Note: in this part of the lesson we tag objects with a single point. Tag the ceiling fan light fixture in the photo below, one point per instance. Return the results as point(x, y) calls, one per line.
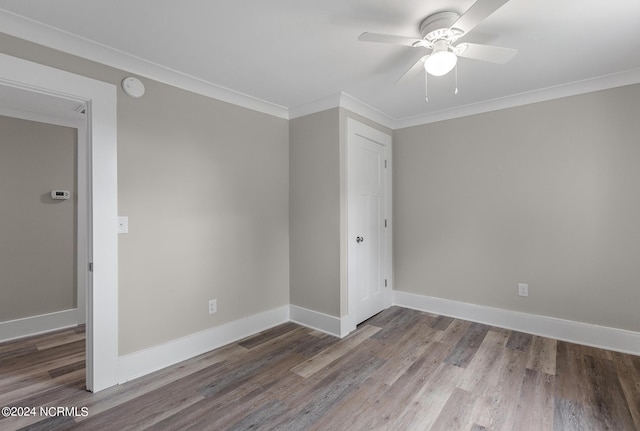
point(440, 63)
point(440, 32)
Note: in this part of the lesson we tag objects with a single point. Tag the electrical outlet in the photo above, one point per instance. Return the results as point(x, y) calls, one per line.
point(213, 306)
point(523, 289)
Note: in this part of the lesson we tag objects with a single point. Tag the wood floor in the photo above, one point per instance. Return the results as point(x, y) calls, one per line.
point(401, 370)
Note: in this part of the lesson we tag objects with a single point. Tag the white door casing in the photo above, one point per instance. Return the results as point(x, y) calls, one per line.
point(369, 221)
point(102, 291)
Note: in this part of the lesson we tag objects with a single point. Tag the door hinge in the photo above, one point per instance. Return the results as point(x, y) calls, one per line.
point(385, 282)
point(90, 266)
point(385, 222)
point(385, 164)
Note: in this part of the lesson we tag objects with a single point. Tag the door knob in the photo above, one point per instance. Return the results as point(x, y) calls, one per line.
point(359, 239)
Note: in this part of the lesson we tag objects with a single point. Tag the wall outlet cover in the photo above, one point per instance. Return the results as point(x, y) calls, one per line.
point(523, 289)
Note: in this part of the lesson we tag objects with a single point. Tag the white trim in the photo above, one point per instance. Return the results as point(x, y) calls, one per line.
point(102, 291)
point(565, 90)
point(358, 107)
point(320, 105)
point(346, 101)
point(42, 118)
point(43, 34)
point(146, 361)
point(40, 324)
point(603, 337)
point(102, 297)
point(347, 326)
point(315, 320)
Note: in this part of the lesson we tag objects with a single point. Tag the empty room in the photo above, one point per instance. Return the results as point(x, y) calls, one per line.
point(338, 215)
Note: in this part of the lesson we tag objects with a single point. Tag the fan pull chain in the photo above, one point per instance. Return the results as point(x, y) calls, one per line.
point(456, 91)
point(426, 86)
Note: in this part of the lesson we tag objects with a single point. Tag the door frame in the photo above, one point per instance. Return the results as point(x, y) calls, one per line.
point(101, 195)
point(356, 128)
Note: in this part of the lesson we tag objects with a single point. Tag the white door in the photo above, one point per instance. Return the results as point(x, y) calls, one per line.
point(368, 167)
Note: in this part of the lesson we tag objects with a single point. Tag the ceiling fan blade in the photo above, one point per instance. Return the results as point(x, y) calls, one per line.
point(492, 54)
point(480, 10)
point(390, 38)
point(417, 66)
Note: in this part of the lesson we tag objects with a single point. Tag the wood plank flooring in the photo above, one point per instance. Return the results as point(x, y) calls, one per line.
point(401, 370)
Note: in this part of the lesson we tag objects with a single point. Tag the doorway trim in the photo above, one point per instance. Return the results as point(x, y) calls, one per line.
point(356, 128)
point(102, 289)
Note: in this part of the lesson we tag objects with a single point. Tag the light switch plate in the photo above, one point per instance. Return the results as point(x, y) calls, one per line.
point(123, 224)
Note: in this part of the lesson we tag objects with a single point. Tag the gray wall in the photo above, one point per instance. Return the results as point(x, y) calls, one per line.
point(37, 233)
point(205, 186)
point(314, 196)
point(544, 194)
point(317, 212)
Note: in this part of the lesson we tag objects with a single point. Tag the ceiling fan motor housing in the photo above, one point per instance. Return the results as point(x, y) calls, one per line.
point(438, 27)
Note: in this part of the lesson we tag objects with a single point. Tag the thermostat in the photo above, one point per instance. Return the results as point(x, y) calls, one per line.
point(60, 194)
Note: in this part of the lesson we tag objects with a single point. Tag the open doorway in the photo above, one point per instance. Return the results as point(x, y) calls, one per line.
point(32, 87)
point(43, 242)
point(45, 230)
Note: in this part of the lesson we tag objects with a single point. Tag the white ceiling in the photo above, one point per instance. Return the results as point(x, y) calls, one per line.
point(292, 53)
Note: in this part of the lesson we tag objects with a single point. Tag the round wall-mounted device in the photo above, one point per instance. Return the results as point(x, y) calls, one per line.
point(133, 87)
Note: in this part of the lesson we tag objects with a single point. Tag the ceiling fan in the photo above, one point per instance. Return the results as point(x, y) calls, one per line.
point(439, 33)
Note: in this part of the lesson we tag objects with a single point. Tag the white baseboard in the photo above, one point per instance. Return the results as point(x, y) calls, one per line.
point(35, 325)
point(315, 320)
point(566, 330)
point(155, 358)
point(146, 361)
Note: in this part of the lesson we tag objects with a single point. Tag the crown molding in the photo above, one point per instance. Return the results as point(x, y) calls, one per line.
point(564, 90)
point(319, 105)
point(358, 107)
point(51, 37)
point(42, 34)
point(346, 101)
